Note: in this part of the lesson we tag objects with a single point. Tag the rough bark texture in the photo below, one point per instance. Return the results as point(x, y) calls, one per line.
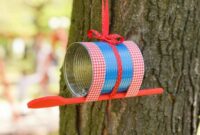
point(168, 33)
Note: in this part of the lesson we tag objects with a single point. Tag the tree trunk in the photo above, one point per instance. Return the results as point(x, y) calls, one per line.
point(168, 33)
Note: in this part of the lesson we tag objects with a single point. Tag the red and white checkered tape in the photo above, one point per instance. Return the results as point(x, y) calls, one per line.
point(138, 68)
point(98, 69)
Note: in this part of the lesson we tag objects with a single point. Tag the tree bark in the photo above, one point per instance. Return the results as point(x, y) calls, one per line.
point(168, 33)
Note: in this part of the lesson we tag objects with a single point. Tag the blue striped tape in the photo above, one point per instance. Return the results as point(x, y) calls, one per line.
point(111, 67)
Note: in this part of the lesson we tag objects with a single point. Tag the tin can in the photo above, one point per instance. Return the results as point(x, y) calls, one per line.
point(93, 64)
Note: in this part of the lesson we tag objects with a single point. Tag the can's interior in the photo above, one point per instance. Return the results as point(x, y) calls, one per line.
point(78, 69)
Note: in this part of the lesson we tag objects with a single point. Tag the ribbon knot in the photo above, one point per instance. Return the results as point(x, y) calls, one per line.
point(113, 39)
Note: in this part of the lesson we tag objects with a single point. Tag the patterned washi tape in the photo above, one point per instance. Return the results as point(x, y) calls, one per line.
point(98, 69)
point(138, 65)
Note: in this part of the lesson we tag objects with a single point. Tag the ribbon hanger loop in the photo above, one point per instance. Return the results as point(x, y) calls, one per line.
point(113, 39)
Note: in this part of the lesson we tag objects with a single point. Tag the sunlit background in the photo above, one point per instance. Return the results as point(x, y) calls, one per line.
point(33, 38)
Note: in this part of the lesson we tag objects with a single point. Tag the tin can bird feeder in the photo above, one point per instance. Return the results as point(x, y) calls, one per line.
point(94, 71)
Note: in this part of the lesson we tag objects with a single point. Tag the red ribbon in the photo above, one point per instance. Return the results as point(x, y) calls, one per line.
point(113, 39)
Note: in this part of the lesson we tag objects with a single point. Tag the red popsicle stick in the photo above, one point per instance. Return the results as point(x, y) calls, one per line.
point(51, 101)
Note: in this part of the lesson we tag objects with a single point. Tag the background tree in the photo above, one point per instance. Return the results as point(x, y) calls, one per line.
point(168, 33)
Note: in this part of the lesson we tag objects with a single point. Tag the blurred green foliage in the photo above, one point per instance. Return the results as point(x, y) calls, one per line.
point(26, 17)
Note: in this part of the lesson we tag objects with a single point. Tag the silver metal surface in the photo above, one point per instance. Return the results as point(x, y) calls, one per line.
point(78, 69)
